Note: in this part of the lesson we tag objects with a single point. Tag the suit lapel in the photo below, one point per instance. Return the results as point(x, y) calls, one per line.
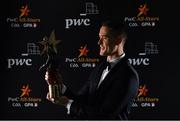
point(97, 76)
point(112, 74)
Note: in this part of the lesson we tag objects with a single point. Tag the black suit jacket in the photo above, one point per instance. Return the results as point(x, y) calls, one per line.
point(112, 99)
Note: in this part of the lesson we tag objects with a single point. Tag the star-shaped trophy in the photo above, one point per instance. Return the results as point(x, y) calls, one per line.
point(49, 49)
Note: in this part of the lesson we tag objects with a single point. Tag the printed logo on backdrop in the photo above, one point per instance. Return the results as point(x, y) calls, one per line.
point(82, 60)
point(143, 99)
point(150, 48)
point(90, 9)
point(83, 19)
point(24, 60)
point(143, 57)
point(32, 50)
point(24, 19)
point(24, 100)
point(142, 18)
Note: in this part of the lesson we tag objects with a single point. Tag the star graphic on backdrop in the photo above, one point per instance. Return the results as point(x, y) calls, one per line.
point(49, 43)
point(143, 10)
point(25, 91)
point(142, 91)
point(24, 11)
point(83, 51)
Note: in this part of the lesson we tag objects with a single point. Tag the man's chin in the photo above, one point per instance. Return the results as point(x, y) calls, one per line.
point(101, 54)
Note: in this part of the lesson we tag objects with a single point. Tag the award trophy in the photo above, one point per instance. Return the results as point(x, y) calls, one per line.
point(50, 50)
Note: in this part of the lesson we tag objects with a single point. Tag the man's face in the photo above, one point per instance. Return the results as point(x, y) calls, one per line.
point(105, 42)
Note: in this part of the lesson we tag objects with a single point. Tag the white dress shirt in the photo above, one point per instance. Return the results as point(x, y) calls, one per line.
point(113, 62)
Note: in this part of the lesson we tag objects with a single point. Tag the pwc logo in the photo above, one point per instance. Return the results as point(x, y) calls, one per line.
point(143, 58)
point(24, 60)
point(139, 61)
point(15, 62)
point(82, 21)
point(82, 60)
point(77, 22)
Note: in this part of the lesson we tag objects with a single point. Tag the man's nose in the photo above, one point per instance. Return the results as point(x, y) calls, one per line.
point(100, 41)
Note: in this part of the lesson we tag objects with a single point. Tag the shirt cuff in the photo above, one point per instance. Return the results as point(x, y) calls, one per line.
point(68, 106)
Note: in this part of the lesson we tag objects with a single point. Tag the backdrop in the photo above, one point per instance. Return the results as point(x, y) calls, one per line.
point(152, 48)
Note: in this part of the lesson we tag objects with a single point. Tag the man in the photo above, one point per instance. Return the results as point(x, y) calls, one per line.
point(112, 86)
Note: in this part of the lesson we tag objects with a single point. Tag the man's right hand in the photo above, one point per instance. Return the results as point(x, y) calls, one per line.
point(52, 76)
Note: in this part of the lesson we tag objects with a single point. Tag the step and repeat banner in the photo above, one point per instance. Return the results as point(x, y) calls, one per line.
point(74, 25)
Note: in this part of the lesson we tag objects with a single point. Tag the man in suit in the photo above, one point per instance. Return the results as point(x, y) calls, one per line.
point(112, 86)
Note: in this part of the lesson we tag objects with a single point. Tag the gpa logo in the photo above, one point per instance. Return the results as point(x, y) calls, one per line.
point(82, 60)
point(143, 100)
point(23, 19)
point(24, 100)
point(142, 19)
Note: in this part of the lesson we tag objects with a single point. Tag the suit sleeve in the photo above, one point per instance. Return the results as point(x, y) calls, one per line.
point(79, 100)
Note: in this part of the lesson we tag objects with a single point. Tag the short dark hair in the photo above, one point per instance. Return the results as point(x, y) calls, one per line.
point(116, 28)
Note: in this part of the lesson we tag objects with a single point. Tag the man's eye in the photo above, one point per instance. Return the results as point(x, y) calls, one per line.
point(106, 38)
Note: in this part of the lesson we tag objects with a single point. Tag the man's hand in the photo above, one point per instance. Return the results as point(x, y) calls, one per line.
point(63, 100)
point(55, 83)
point(53, 76)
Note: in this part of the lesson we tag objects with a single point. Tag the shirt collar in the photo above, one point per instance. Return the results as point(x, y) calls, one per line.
point(116, 60)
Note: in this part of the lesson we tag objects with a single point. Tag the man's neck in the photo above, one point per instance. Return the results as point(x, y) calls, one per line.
point(114, 56)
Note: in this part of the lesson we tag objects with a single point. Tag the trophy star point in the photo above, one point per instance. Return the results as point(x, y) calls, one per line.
point(45, 44)
point(52, 39)
point(50, 43)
